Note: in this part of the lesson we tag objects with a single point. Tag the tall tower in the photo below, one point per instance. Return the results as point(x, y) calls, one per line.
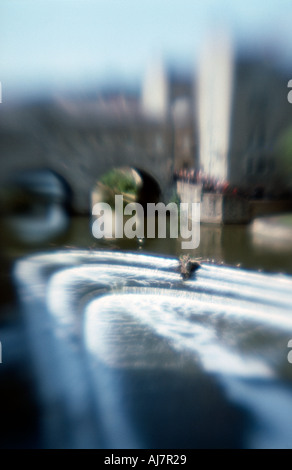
point(155, 92)
point(214, 98)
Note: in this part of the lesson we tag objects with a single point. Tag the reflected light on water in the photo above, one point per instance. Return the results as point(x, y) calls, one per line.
point(117, 325)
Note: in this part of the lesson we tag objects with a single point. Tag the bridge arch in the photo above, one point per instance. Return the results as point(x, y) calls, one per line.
point(36, 184)
point(82, 154)
point(134, 184)
point(36, 204)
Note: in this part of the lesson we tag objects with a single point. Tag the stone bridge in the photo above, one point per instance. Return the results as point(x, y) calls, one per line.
point(80, 149)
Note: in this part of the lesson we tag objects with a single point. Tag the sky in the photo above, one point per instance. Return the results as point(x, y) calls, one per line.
point(51, 45)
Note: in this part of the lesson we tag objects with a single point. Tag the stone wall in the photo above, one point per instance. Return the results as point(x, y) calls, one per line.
point(82, 151)
point(215, 208)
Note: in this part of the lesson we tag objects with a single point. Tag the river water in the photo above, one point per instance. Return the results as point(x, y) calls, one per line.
point(128, 355)
point(234, 245)
point(229, 244)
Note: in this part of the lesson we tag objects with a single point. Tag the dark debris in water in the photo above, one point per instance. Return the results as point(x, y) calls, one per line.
point(187, 265)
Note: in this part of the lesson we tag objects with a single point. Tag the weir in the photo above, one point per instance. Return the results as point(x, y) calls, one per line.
point(129, 355)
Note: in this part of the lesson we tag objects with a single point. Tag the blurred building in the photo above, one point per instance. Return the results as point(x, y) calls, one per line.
point(168, 96)
point(213, 106)
point(155, 92)
point(224, 120)
point(81, 139)
point(260, 115)
point(242, 111)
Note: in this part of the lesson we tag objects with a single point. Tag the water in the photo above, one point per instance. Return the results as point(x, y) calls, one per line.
point(230, 244)
point(125, 354)
point(131, 356)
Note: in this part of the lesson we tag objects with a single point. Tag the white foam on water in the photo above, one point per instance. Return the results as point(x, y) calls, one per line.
point(160, 314)
point(110, 299)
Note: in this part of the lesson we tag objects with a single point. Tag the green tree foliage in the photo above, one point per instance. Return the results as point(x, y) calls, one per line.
point(120, 182)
